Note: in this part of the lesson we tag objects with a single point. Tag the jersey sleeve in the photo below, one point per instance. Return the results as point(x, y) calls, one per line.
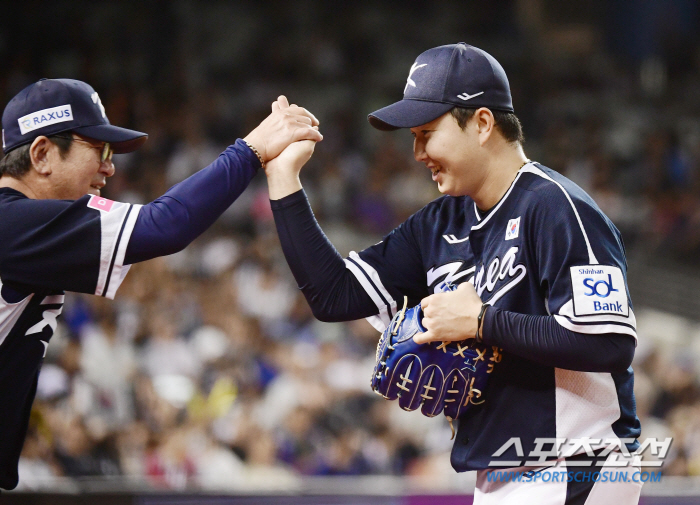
point(581, 263)
point(67, 245)
point(390, 270)
point(169, 223)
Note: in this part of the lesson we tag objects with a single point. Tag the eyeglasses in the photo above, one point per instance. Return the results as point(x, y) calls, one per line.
point(105, 155)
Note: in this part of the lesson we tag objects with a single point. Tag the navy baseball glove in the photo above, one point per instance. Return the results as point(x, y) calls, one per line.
point(438, 377)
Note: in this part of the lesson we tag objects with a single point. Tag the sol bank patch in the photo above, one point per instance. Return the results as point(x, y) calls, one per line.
point(599, 289)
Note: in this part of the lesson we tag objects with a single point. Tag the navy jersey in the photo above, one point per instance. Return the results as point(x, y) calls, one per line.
point(48, 247)
point(544, 249)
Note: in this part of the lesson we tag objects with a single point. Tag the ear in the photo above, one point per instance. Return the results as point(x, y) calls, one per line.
point(40, 154)
point(484, 123)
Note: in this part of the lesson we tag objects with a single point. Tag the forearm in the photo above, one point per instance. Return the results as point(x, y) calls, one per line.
point(332, 291)
point(282, 183)
point(543, 340)
point(171, 222)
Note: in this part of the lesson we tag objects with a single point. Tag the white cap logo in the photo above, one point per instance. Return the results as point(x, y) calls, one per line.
point(96, 99)
point(409, 81)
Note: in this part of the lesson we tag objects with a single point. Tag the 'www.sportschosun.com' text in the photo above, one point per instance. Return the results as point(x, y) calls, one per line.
point(573, 476)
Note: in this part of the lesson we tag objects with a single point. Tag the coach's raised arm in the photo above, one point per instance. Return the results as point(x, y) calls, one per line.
point(172, 221)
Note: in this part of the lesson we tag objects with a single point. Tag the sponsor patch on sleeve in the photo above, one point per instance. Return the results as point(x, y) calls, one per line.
point(599, 289)
point(99, 203)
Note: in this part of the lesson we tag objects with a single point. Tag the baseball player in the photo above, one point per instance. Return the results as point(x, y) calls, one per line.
point(58, 234)
point(541, 273)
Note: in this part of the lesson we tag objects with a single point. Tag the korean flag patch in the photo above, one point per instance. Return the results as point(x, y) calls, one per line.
point(513, 228)
point(599, 289)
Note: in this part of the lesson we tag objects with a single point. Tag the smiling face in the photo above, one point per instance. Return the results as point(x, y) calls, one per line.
point(80, 171)
point(453, 155)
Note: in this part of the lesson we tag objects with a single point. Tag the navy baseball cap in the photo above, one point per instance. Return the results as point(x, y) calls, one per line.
point(444, 77)
point(52, 106)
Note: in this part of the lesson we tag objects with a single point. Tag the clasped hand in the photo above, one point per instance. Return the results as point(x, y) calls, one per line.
point(451, 316)
point(285, 125)
point(283, 171)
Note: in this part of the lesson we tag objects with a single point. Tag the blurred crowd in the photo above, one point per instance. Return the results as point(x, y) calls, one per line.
point(208, 369)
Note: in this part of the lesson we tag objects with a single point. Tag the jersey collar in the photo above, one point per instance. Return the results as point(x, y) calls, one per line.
point(483, 220)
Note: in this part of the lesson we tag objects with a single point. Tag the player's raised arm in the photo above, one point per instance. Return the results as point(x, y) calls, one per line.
point(332, 292)
point(283, 172)
point(339, 289)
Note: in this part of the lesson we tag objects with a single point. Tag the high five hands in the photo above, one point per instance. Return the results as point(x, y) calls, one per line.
point(283, 169)
point(285, 125)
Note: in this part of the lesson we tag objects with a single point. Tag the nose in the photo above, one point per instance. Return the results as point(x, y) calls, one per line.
point(419, 150)
point(107, 168)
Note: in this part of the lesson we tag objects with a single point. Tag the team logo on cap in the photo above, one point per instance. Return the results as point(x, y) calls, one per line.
point(467, 96)
point(409, 81)
point(96, 100)
point(45, 117)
